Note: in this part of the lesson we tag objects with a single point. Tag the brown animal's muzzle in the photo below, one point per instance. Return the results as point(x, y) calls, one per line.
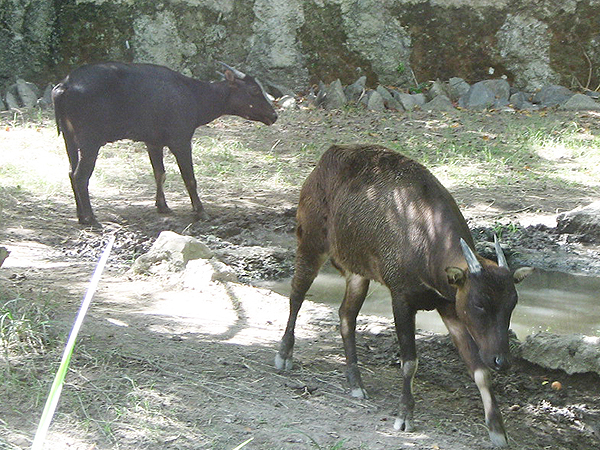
point(499, 361)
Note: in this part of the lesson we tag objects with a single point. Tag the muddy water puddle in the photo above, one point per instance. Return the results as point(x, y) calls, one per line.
point(548, 301)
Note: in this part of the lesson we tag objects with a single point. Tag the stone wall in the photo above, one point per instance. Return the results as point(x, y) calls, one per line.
point(294, 43)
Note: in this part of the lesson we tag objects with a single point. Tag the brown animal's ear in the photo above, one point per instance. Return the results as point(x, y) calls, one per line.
point(229, 76)
point(456, 276)
point(522, 273)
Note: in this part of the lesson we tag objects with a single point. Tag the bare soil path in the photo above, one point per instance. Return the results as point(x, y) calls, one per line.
point(163, 366)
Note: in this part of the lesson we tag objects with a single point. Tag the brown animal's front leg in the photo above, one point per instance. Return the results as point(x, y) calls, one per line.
point(479, 372)
point(155, 152)
point(356, 292)
point(404, 319)
point(183, 155)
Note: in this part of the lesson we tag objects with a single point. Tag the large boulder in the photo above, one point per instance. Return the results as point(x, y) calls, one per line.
point(571, 353)
point(583, 221)
point(171, 252)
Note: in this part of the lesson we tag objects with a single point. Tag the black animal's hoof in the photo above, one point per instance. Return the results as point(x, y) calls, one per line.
point(91, 223)
point(201, 215)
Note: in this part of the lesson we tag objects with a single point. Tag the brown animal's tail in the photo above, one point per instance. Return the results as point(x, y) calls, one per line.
point(57, 93)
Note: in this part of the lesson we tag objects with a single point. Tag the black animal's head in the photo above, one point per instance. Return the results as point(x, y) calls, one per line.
point(485, 299)
point(247, 98)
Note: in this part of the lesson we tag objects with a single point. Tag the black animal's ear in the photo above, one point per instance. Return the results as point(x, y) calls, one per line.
point(456, 276)
point(522, 273)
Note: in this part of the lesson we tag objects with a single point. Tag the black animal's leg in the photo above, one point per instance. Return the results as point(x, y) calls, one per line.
point(404, 319)
point(80, 180)
point(73, 154)
point(183, 155)
point(156, 159)
point(470, 354)
point(356, 292)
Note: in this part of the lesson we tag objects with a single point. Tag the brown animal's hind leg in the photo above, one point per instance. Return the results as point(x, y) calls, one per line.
point(183, 155)
point(404, 319)
point(155, 152)
point(356, 292)
point(470, 354)
point(310, 256)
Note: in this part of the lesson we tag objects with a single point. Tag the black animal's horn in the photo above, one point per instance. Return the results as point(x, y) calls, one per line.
point(472, 262)
point(499, 253)
point(237, 73)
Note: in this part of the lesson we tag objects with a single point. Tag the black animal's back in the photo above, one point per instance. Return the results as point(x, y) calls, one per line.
point(111, 101)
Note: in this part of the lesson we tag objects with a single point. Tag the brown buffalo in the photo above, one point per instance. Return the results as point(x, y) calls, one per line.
point(382, 216)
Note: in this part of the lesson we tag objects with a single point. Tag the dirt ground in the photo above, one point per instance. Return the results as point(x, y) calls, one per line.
point(160, 365)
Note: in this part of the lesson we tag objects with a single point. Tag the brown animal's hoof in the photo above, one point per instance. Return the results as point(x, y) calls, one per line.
point(498, 439)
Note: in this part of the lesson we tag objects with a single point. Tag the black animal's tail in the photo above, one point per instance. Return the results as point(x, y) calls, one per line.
point(57, 100)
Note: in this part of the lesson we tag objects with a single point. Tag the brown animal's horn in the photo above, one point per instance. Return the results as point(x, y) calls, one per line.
point(472, 262)
point(237, 73)
point(499, 253)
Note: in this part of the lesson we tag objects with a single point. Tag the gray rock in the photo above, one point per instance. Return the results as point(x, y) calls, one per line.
point(486, 94)
point(173, 251)
point(419, 99)
point(388, 99)
point(28, 93)
point(321, 94)
point(523, 46)
point(334, 96)
point(457, 87)
point(552, 95)
point(199, 272)
point(375, 102)
point(2, 105)
point(520, 100)
point(46, 100)
point(580, 102)
point(356, 90)
point(439, 103)
point(407, 101)
point(584, 221)
point(571, 353)
point(287, 102)
point(438, 88)
point(3, 255)
point(11, 100)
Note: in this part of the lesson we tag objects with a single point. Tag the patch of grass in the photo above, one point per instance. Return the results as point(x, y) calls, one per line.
point(24, 327)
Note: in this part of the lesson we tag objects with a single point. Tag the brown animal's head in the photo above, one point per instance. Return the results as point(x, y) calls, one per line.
point(485, 299)
point(247, 97)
